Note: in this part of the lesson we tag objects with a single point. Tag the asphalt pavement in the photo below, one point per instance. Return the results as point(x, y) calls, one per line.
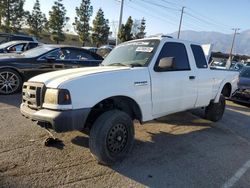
point(179, 150)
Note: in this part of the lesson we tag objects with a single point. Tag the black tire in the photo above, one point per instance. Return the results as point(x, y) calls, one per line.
point(215, 111)
point(111, 137)
point(10, 81)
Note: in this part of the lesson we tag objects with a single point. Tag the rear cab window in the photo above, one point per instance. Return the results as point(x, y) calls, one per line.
point(199, 56)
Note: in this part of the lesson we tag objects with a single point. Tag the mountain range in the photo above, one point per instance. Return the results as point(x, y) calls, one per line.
point(221, 42)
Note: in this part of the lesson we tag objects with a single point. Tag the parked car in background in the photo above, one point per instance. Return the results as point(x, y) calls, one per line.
point(17, 46)
point(17, 68)
point(221, 65)
point(92, 49)
point(247, 63)
point(218, 65)
point(243, 92)
point(6, 37)
point(104, 50)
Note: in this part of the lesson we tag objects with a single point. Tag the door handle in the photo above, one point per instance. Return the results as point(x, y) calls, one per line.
point(191, 77)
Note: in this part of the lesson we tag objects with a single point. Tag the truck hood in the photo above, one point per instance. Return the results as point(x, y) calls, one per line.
point(54, 79)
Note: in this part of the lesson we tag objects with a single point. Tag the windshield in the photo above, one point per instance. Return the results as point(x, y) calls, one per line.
point(245, 72)
point(40, 50)
point(134, 53)
point(7, 44)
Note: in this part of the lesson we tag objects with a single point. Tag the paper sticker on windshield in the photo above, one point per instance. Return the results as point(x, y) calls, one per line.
point(144, 49)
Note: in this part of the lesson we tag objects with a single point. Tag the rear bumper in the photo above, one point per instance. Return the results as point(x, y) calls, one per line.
point(60, 121)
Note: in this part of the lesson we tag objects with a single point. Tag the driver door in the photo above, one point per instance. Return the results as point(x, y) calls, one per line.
point(174, 89)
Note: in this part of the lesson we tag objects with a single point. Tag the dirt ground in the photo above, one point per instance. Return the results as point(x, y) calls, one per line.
point(180, 150)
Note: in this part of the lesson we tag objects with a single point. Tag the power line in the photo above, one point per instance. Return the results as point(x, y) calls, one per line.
point(152, 15)
point(170, 15)
point(202, 21)
point(161, 6)
point(172, 3)
point(210, 19)
point(149, 12)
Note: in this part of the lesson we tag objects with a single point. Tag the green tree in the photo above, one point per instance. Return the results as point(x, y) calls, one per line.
point(57, 21)
point(135, 27)
point(141, 30)
point(83, 14)
point(125, 33)
point(2, 9)
point(36, 20)
point(12, 15)
point(100, 31)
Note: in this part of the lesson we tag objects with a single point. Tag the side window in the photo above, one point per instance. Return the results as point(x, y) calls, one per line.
point(55, 54)
point(17, 48)
point(76, 54)
point(32, 45)
point(85, 56)
point(199, 57)
point(178, 52)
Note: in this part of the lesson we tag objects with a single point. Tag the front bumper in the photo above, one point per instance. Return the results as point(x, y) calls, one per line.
point(60, 121)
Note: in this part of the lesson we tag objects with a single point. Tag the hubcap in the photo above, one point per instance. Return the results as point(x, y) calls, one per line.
point(117, 138)
point(9, 82)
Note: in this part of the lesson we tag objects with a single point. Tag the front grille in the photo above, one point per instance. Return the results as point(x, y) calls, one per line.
point(33, 94)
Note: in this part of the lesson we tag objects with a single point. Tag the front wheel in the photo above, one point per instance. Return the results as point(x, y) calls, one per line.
point(215, 111)
point(111, 137)
point(10, 81)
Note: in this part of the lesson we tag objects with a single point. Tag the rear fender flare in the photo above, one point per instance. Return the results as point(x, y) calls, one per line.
point(217, 97)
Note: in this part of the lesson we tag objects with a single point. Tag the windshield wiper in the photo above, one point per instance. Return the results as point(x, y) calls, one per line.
point(135, 65)
point(118, 64)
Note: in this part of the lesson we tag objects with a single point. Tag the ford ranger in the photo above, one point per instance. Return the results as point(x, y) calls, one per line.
point(139, 80)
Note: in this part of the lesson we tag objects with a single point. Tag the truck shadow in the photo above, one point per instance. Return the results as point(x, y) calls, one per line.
point(183, 150)
point(11, 100)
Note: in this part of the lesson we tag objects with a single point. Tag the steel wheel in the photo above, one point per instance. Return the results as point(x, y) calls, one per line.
point(9, 82)
point(117, 138)
point(111, 137)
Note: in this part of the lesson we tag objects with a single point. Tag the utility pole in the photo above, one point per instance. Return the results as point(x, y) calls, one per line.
point(182, 11)
point(229, 62)
point(120, 22)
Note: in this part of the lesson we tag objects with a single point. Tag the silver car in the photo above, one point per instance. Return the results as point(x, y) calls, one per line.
point(243, 92)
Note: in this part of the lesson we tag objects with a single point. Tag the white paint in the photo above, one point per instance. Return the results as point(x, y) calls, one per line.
point(165, 92)
point(231, 182)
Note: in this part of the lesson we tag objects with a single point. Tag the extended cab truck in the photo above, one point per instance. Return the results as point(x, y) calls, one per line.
point(142, 79)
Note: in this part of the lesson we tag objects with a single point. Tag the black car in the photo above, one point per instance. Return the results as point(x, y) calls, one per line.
point(17, 68)
point(17, 46)
point(243, 92)
point(6, 37)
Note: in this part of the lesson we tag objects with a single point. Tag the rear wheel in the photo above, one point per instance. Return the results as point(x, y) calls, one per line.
point(111, 137)
point(10, 81)
point(215, 111)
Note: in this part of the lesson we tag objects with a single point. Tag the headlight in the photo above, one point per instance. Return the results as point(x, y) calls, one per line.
point(57, 96)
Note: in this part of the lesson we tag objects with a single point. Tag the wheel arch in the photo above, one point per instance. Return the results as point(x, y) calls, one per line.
point(14, 69)
point(225, 89)
point(123, 103)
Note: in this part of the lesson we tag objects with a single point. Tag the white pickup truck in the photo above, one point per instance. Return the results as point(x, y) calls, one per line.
point(141, 79)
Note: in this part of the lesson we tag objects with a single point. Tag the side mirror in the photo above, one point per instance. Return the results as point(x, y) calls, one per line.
point(10, 49)
point(165, 64)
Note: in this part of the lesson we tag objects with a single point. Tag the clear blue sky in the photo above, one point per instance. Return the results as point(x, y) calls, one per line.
point(162, 16)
